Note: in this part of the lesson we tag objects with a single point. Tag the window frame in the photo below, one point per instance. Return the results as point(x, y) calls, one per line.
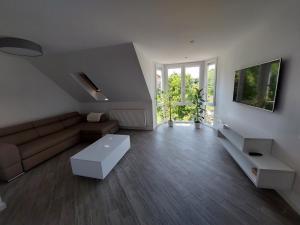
point(207, 63)
point(161, 68)
point(183, 66)
point(203, 65)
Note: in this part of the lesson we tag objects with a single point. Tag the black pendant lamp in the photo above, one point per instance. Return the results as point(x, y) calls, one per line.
point(20, 47)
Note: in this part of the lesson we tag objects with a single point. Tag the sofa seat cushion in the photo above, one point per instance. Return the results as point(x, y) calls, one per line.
point(49, 152)
point(43, 143)
point(100, 128)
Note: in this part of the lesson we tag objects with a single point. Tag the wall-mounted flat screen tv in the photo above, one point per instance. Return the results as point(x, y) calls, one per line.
point(257, 85)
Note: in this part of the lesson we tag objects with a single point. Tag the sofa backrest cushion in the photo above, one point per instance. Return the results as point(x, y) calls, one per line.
point(47, 121)
point(104, 117)
point(15, 129)
point(72, 121)
point(20, 137)
point(23, 133)
point(49, 129)
point(69, 115)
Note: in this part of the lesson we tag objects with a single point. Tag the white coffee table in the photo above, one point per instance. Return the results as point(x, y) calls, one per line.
point(99, 158)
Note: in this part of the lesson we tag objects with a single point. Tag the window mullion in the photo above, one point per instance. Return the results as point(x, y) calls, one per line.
point(183, 84)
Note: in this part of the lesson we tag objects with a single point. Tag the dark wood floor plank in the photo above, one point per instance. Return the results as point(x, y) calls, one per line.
point(171, 176)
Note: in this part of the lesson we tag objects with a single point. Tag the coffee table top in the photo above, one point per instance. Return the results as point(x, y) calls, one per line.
point(100, 149)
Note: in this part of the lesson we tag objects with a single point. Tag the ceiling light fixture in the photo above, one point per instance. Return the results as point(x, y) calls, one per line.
point(20, 47)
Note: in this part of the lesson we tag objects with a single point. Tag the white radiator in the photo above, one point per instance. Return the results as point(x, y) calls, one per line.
point(130, 118)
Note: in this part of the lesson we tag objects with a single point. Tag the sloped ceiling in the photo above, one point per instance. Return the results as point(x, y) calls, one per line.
point(163, 29)
point(114, 69)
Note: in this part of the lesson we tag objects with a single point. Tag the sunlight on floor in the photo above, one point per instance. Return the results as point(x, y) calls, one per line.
point(182, 124)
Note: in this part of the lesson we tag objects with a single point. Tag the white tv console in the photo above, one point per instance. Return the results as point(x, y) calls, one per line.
point(264, 171)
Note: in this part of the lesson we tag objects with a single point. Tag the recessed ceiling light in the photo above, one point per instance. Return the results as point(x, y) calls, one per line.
point(106, 99)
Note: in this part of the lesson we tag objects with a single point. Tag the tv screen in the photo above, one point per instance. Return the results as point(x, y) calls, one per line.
point(257, 85)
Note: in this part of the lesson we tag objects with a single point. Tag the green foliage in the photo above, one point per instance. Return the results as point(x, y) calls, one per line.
point(160, 114)
point(273, 82)
point(211, 80)
point(169, 102)
point(182, 112)
point(191, 84)
point(250, 90)
point(160, 108)
point(256, 85)
point(171, 105)
point(198, 101)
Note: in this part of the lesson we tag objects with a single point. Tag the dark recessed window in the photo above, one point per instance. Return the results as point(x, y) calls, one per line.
point(88, 81)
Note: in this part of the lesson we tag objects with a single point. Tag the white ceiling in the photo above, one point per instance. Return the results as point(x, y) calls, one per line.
point(162, 28)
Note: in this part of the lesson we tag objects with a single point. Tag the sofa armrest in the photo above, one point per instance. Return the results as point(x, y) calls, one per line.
point(9, 154)
point(10, 161)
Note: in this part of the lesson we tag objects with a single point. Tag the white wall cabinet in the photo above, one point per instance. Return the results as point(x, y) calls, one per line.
point(264, 171)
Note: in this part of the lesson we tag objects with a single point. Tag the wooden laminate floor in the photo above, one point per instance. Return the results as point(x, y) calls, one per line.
point(170, 176)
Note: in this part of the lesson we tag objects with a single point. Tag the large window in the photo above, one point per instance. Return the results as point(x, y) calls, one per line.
point(174, 84)
point(192, 81)
point(182, 80)
point(210, 90)
point(160, 115)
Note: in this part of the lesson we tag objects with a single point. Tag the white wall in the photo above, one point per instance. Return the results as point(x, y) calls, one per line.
point(278, 37)
point(148, 69)
point(108, 106)
point(126, 80)
point(26, 94)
